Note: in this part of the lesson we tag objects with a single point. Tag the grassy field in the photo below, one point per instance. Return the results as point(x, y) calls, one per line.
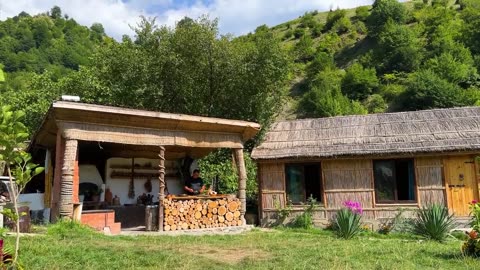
point(275, 249)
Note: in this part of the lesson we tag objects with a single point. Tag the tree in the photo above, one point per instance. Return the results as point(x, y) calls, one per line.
point(322, 61)
point(304, 49)
point(20, 170)
point(375, 104)
point(342, 25)
point(358, 82)
point(451, 68)
point(426, 90)
point(219, 165)
point(384, 11)
point(189, 69)
point(97, 31)
point(471, 31)
point(399, 49)
point(56, 12)
point(362, 13)
point(324, 97)
point(333, 17)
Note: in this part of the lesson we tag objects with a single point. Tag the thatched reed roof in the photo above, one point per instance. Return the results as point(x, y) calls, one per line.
point(96, 123)
point(429, 131)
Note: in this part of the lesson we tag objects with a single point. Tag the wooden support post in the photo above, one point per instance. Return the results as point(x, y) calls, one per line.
point(66, 182)
point(161, 194)
point(242, 180)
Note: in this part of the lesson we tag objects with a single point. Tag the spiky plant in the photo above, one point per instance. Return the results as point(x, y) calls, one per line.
point(433, 222)
point(347, 221)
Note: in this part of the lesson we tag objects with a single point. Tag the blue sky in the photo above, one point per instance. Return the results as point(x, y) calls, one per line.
point(235, 16)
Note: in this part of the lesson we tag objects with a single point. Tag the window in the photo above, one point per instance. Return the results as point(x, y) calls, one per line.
point(394, 181)
point(303, 181)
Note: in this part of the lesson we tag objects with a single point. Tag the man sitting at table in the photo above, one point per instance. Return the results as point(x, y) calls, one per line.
point(194, 185)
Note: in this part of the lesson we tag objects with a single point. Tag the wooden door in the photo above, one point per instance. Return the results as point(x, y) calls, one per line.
point(460, 183)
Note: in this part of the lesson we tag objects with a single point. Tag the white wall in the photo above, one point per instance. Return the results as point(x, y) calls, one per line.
point(89, 173)
point(34, 200)
point(119, 187)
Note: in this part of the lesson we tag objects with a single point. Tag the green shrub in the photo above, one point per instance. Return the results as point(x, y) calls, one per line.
point(305, 220)
point(299, 32)
point(316, 30)
point(362, 13)
point(347, 221)
point(433, 222)
point(67, 229)
point(288, 34)
point(333, 17)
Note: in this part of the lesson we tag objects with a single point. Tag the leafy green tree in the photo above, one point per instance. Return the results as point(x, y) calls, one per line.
point(359, 82)
point(20, 169)
point(304, 49)
point(298, 32)
point(308, 21)
point(330, 43)
point(288, 34)
point(451, 68)
point(384, 11)
point(375, 104)
point(324, 97)
point(342, 25)
point(333, 17)
point(399, 49)
point(322, 61)
point(316, 31)
point(362, 13)
point(188, 69)
point(219, 165)
point(471, 31)
point(56, 12)
point(426, 90)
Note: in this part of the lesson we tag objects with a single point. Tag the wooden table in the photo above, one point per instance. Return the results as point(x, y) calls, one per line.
point(200, 197)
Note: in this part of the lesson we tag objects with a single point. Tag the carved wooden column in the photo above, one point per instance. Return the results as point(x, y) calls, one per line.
point(66, 182)
point(242, 181)
point(161, 194)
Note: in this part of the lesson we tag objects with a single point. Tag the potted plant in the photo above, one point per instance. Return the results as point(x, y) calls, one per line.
point(95, 194)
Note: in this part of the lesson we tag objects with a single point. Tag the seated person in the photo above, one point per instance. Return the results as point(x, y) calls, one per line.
point(194, 185)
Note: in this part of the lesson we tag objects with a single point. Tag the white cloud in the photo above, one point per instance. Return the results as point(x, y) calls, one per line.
point(235, 16)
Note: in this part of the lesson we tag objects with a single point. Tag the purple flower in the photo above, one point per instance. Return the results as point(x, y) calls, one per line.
point(355, 207)
point(474, 202)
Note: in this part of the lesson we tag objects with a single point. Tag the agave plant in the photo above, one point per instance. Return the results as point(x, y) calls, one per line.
point(347, 221)
point(433, 222)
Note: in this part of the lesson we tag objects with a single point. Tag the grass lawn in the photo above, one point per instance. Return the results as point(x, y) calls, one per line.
point(275, 249)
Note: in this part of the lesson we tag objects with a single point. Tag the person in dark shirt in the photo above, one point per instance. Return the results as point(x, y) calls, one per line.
point(194, 185)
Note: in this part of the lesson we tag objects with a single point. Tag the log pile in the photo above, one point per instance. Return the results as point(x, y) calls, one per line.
point(200, 214)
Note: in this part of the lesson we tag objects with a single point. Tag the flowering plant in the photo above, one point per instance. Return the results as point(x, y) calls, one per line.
point(347, 221)
point(355, 207)
point(472, 245)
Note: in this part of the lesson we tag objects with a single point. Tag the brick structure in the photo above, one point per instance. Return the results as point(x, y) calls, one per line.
point(101, 220)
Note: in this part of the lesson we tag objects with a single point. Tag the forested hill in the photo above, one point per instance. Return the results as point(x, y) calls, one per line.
point(34, 44)
point(387, 57)
point(390, 56)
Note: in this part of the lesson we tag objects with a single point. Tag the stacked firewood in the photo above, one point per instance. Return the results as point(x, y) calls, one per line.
point(199, 214)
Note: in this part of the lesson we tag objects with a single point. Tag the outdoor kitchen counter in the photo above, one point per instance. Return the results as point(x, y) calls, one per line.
point(201, 211)
point(198, 197)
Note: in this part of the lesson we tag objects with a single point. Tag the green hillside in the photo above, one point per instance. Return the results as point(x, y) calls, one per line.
point(390, 56)
point(51, 44)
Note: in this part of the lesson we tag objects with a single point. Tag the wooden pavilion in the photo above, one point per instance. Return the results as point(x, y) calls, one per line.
point(387, 162)
point(72, 132)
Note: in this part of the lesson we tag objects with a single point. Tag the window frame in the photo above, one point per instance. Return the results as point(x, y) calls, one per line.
point(396, 201)
point(320, 178)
